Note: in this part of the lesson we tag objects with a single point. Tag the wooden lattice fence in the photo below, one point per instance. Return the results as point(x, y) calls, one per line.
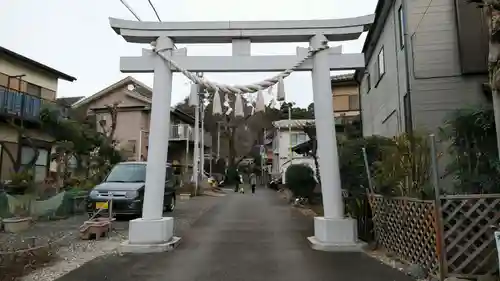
point(468, 238)
point(407, 228)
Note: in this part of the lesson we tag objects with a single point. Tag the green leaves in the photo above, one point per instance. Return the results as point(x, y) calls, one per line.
point(472, 142)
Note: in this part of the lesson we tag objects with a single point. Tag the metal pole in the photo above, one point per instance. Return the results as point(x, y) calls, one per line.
point(262, 157)
point(290, 133)
point(202, 138)
point(367, 168)
point(439, 215)
point(187, 147)
point(196, 152)
point(139, 151)
point(210, 161)
point(218, 140)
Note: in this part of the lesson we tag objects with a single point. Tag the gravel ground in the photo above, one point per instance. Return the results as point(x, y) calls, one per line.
point(74, 252)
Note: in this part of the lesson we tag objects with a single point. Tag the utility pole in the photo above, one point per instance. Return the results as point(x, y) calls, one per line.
point(218, 140)
point(262, 157)
point(290, 133)
point(202, 138)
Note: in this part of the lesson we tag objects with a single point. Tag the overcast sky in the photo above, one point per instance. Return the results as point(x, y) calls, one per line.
point(74, 36)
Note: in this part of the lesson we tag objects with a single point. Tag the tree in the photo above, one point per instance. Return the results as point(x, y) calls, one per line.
point(240, 133)
point(492, 11)
point(95, 151)
point(310, 130)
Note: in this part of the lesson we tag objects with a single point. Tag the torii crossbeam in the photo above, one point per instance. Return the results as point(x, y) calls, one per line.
point(153, 232)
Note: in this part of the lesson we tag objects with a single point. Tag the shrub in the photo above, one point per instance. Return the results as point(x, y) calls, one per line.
point(473, 146)
point(300, 180)
point(404, 168)
point(391, 163)
point(352, 166)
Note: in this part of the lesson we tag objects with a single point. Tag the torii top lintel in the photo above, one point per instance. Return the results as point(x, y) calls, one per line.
point(256, 31)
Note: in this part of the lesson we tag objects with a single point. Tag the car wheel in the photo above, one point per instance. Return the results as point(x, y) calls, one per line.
point(171, 205)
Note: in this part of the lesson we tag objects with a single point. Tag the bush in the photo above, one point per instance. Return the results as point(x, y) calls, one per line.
point(404, 169)
point(473, 146)
point(391, 162)
point(300, 180)
point(352, 166)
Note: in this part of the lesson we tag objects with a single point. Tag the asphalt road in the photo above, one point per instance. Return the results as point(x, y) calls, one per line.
point(245, 237)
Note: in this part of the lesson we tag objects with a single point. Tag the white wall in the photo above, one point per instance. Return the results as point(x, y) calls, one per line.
point(281, 160)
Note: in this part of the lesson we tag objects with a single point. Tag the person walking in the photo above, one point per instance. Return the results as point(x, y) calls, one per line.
point(253, 181)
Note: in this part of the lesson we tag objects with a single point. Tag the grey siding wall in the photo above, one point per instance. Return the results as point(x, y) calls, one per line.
point(438, 86)
point(382, 106)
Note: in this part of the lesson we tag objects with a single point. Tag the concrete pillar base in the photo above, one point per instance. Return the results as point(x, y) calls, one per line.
point(335, 235)
point(147, 236)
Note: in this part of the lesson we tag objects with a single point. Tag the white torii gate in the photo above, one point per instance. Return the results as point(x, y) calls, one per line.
point(153, 232)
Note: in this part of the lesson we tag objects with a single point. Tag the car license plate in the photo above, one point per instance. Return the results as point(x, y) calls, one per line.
point(101, 205)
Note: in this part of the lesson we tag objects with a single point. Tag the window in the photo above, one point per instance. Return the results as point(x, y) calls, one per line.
point(298, 138)
point(127, 173)
point(33, 90)
point(131, 145)
point(353, 102)
point(380, 65)
point(40, 167)
point(401, 27)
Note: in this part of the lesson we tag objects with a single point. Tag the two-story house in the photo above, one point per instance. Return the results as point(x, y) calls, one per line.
point(26, 86)
point(288, 134)
point(345, 92)
point(424, 59)
point(133, 117)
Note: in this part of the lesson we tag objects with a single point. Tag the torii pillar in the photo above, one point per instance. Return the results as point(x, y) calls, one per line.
point(152, 232)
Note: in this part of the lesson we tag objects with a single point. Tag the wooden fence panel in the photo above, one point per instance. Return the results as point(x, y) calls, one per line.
point(469, 241)
point(406, 228)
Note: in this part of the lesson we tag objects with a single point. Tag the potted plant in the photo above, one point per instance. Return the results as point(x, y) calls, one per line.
point(19, 183)
point(21, 220)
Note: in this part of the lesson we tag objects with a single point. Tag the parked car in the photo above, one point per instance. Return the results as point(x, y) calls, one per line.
point(124, 186)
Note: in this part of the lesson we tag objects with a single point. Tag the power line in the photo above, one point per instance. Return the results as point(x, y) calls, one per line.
point(130, 10)
point(137, 17)
point(423, 15)
point(154, 9)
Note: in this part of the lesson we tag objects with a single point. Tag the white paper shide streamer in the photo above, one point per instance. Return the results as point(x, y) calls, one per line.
point(238, 107)
point(193, 95)
point(260, 104)
point(281, 90)
point(216, 104)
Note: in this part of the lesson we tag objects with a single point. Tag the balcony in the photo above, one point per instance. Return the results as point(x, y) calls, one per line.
point(23, 106)
point(182, 132)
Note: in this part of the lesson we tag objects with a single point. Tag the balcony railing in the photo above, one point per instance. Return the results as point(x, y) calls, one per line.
point(186, 132)
point(181, 132)
point(24, 106)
